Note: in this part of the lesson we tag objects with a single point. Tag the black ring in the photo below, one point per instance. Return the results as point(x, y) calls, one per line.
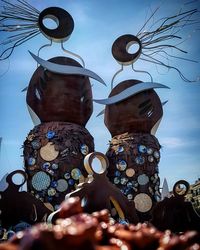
point(65, 25)
point(119, 49)
point(10, 181)
point(185, 183)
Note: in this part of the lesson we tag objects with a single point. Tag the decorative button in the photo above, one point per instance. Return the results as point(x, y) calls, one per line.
point(143, 179)
point(46, 165)
point(62, 185)
point(67, 176)
point(84, 149)
point(140, 160)
point(120, 149)
point(129, 185)
point(54, 184)
point(76, 173)
point(40, 181)
point(116, 180)
point(123, 180)
point(117, 173)
point(48, 152)
point(71, 182)
point(156, 154)
point(143, 202)
point(130, 172)
point(54, 166)
point(31, 161)
point(35, 144)
point(130, 196)
point(149, 151)
point(121, 165)
point(50, 134)
point(150, 158)
point(51, 191)
point(142, 149)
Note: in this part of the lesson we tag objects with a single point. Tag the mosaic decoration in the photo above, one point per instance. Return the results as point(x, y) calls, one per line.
point(55, 167)
point(99, 193)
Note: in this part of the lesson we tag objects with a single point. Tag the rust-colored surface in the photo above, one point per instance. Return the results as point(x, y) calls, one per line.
point(19, 206)
point(56, 97)
point(131, 115)
point(62, 150)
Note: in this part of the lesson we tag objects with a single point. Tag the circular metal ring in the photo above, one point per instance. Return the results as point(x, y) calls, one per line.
point(89, 159)
point(120, 49)
point(64, 20)
point(178, 190)
point(10, 176)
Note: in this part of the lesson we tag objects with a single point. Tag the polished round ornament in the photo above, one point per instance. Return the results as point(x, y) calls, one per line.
point(35, 144)
point(143, 179)
point(121, 165)
point(51, 191)
point(62, 185)
point(54, 184)
point(140, 160)
point(130, 196)
point(130, 172)
point(54, 166)
point(129, 185)
point(149, 151)
point(156, 154)
point(31, 161)
point(142, 149)
point(117, 173)
point(41, 181)
point(120, 149)
point(76, 173)
point(46, 165)
point(143, 202)
point(84, 149)
point(116, 180)
point(150, 158)
point(71, 182)
point(67, 176)
point(50, 134)
point(48, 152)
point(123, 180)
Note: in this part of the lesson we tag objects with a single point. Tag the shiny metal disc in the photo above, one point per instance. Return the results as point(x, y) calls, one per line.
point(31, 161)
point(142, 149)
point(156, 154)
point(149, 151)
point(150, 158)
point(143, 179)
point(35, 144)
point(48, 152)
point(143, 202)
point(123, 180)
point(76, 173)
point(130, 172)
point(140, 160)
point(121, 165)
point(62, 185)
point(51, 191)
point(84, 149)
point(41, 181)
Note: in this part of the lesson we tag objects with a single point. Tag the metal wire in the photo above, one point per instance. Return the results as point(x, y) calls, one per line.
point(73, 54)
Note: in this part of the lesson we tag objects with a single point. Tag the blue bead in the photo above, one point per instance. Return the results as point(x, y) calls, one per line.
point(50, 134)
point(71, 182)
point(54, 184)
point(49, 198)
point(117, 173)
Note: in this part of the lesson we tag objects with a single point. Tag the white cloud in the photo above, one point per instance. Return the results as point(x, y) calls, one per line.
point(173, 142)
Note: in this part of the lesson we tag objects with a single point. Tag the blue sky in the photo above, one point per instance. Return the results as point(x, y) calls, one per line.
point(97, 25)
